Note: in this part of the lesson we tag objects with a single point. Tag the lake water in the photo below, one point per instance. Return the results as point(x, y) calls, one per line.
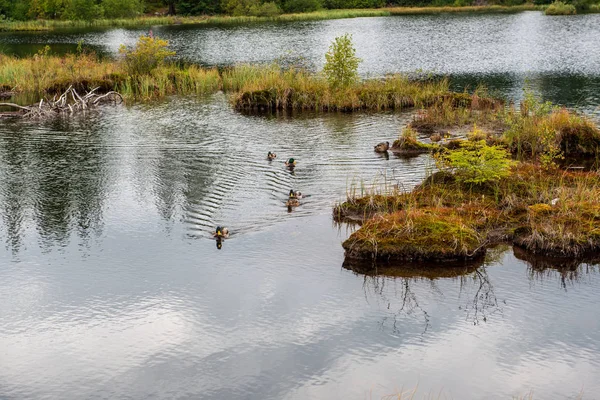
point(111, 287)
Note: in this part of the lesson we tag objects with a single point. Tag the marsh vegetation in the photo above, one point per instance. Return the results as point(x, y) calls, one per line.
point(516, 183)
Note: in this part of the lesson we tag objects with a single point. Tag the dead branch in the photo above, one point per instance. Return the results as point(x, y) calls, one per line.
point(48, 108)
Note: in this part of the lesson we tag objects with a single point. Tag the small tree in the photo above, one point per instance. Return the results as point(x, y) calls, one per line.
point(341, 66)
point(148, 54)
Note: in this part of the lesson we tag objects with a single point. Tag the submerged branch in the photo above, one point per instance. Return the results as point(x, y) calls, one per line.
point(53, 107)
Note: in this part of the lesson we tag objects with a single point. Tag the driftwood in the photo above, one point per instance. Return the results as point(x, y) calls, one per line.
point(63, 105)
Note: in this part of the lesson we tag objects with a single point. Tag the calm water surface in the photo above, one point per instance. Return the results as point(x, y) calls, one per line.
point(110, 286)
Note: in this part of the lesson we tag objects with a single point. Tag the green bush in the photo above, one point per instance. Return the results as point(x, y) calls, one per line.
point(122, 8)
point(238, 7)
point(341, 63)
point(85, 10)
point(195, 7)
point(560, 8)
point(269, 9)
point(337, 4)
point(478, 163)
point(298, 6)
point(148, 54)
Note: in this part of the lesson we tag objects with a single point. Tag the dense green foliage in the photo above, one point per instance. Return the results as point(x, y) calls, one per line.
point(478, 163)
point(560, 8)
point(96, 9)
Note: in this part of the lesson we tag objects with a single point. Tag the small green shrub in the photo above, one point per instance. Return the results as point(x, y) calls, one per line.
point(269, 9)
point(148, 54)
point(560, 8)
point(122, 8)
point(341, 66)
point(299, 6)
point(85, 10)
point(478, 163)
point(239, 7)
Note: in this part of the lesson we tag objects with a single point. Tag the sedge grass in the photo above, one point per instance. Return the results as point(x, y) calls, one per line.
point(260, 87)
point(462, 9)
point(250, 86)
point(44, 25)
point(546, 212)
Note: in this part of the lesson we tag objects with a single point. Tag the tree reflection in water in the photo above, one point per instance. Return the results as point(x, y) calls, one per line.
point(402, 284)
point(569, 270)
point(404, 277)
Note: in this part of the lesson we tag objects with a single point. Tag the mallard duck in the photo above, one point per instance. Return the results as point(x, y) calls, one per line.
point(271, 156)
point(293, 202)
point(221, 233)
point(436, 137)
point(294, 194)
point(382, 147)
point(290, 163)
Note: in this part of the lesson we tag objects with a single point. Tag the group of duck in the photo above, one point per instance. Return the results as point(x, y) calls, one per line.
point(293, 200)
point(294, 196)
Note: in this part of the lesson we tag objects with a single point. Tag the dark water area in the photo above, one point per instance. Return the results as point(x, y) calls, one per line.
point(112, 287)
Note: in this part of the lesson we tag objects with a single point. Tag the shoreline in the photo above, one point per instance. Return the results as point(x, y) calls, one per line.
point(49, 25)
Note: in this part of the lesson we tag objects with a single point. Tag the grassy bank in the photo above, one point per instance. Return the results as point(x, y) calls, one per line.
point(260, 88)
point(40, 76)
point(462, 9)
point(250, 87)
point(44, 25)
point(458, 211)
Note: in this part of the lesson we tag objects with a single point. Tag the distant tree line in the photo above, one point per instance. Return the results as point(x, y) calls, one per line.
point(94, 9)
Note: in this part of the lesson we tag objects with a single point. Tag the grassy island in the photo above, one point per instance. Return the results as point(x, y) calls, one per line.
point(527, 181)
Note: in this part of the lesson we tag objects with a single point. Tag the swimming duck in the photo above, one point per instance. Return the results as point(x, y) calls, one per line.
point(436, 137)
point(295, 194)
point(221, 233)
point(293, 202)
point(382, 147)
point(271, 156)
point(290, 163)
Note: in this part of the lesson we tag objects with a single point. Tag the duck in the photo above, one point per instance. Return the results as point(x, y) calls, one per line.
point(382, 147)
point(295, 194)
point(290, 163)
point(292, 202)
point(436, 137)
point(221, 233)
point(271, 156)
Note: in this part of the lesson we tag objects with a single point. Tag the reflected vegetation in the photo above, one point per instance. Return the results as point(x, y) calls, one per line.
point(568, 270)
point(405, 289)
point(58, 183)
